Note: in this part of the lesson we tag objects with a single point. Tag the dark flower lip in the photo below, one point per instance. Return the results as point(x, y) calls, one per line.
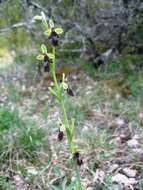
point(53, 33)
point(70, 92)
point(78, 158)
point(79, 161)
point(54, 37)
point(46, 68)
point(60, 135)
point(46, 64)
point(76, 155)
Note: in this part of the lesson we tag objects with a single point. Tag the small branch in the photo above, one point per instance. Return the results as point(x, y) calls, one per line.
point(17, 25)
point(72, 50)
point(36, 5)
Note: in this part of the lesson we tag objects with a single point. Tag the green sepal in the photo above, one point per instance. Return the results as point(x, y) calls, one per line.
point(44, 20)
point(44, 49)
point(62, 128)
point(51, 23)
point(40, 57)
point(59, 30)
point(37, 17)
point(63, 77)
point(48, 32)
point(50, 55)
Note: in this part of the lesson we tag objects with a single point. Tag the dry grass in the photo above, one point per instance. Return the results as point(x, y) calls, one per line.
point(32, 156)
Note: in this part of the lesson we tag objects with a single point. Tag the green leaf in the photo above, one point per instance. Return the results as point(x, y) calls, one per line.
point(72, 185)
point(52, 91)
point(73, 148)
point(63, 77)
point(48, 32)
point(68, 131)
point(57, 170)
point(64, 183)
point(78, 187)
point(43, 49)
point(50, 55)
point(40, 57)
point(59, 30)
point(51, 23)
point(72, 127)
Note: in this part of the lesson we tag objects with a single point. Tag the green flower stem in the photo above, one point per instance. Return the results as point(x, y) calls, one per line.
point(79, 186)
point(54, 70)
point(65, 119)
point(66, 122)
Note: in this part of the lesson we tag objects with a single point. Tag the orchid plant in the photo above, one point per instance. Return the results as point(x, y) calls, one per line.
point(59, 90)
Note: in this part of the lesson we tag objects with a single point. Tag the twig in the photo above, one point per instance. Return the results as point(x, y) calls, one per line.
point(17, 25)
point(36, 5)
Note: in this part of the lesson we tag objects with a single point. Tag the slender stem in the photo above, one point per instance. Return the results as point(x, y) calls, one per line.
point(66, 123)
point(65, 114)
point(54, 70)
point(65, 119)
point(79, 186)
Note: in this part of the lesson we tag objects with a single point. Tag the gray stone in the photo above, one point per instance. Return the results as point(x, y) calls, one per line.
point(120, 179)
point(129, 172)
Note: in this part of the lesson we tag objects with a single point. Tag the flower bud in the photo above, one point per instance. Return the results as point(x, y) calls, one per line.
point(60, 135)
point(79, 161)
point(78, 158)
point(70, 92)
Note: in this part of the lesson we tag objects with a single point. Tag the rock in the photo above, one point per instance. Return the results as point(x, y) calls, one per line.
point(132, 181)
point(120, 122)
point(120, 178)
point(136, 137)
point(138, 150)
point(129, 172)
point(133, 143)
